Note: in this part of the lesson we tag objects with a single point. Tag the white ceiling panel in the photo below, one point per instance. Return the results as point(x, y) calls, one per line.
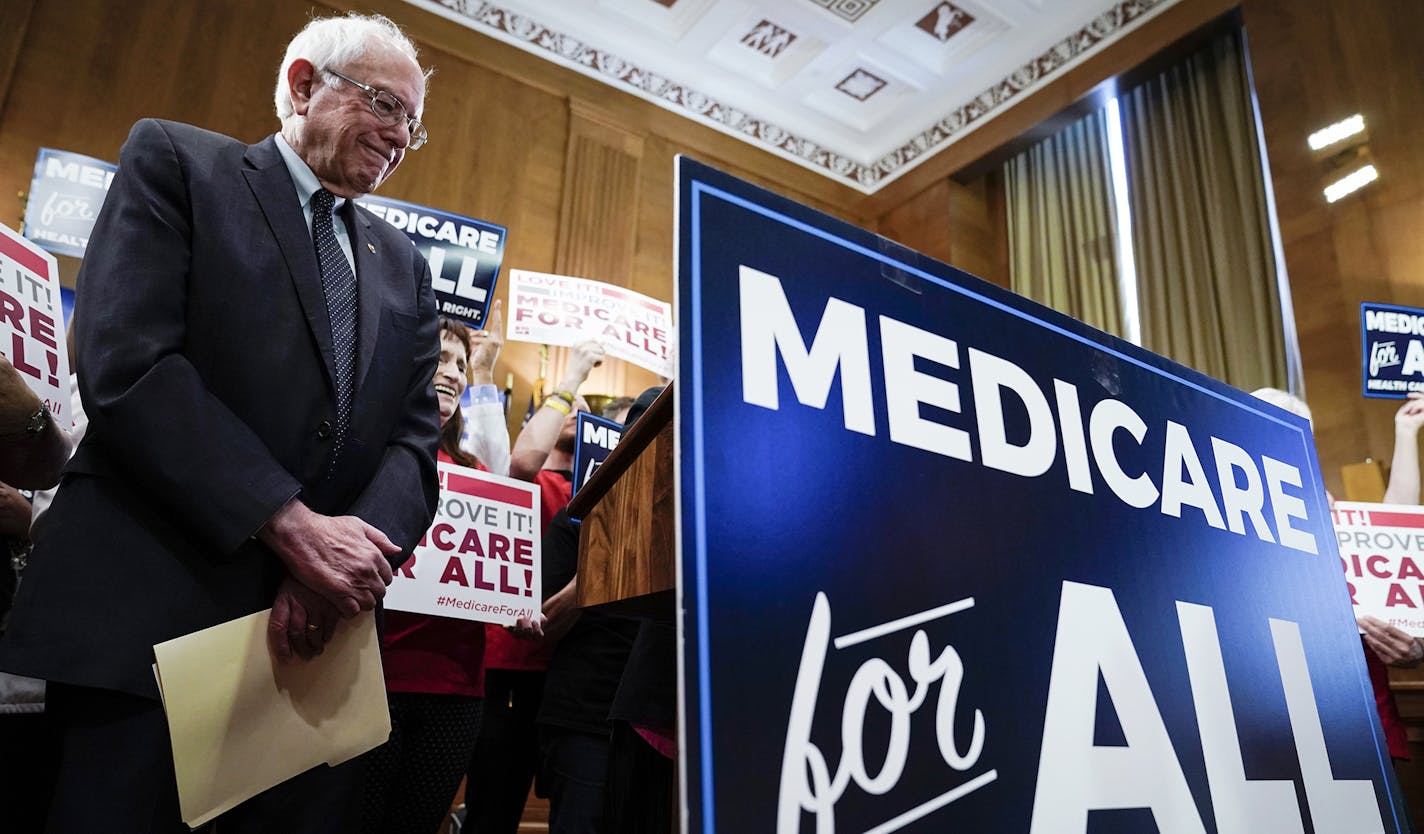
point(859, 91)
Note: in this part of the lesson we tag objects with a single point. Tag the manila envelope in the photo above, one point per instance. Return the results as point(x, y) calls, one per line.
point(242, 722)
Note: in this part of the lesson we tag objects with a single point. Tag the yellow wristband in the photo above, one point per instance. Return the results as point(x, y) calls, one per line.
point(557, 404)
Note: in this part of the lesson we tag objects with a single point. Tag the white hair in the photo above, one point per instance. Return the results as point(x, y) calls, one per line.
point(1283, 399)
point(335, 42)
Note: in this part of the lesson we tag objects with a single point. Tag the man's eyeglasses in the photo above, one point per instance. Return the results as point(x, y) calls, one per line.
point(389, 110)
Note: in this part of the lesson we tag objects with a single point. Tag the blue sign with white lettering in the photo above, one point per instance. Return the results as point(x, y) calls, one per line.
point(597, 437)
point(1393, 350)
point(464, 254)
point(951, 561)
point(65, 196)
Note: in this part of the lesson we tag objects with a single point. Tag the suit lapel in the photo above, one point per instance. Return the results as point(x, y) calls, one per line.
point(370, 257)
point(271, 184)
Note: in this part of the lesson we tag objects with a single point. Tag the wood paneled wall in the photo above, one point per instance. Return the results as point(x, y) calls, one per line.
point(1316, 62)
point(964, 225)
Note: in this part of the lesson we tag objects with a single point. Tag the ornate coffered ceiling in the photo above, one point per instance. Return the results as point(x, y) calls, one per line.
point(860, 91)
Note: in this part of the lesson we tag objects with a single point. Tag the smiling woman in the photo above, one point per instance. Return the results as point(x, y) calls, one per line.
point(451, 377)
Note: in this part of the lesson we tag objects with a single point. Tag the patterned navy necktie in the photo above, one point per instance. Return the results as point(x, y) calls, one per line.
point(338, 283)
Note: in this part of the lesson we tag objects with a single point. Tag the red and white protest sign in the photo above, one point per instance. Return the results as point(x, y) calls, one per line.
point(480, 559)
point(564, 311)
point(32, 321)
point(1382, 549)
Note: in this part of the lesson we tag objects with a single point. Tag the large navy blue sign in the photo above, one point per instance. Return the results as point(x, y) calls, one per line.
point(954, 562)
point(464, 254)
point(65, 196)
point(597, 437)
point(1393, 350)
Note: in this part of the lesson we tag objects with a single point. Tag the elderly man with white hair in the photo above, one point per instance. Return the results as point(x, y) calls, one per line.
point(257, 357)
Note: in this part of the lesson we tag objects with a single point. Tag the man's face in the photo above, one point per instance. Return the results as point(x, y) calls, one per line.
point(347, 146)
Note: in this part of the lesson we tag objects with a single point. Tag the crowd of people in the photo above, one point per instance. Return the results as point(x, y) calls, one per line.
point(268, 389)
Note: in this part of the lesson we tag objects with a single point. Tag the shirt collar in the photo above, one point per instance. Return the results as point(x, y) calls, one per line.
point(303, 178)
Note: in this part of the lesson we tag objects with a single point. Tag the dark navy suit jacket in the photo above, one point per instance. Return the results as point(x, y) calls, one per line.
point(205, 365)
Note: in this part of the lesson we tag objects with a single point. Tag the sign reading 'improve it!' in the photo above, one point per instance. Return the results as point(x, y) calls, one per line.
point(1382, 552)
point(979, 567)
point(32, 322)
point(480, 558)
point(563, 310)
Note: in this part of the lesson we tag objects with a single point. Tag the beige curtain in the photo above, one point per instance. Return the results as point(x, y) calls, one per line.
point(1061, 222)
point(1207, 284)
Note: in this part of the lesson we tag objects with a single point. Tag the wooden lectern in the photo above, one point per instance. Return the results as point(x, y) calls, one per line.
point(627, 535)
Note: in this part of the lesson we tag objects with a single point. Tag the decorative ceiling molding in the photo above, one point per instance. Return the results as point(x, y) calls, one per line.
point(1107, 27)
point(865, 175)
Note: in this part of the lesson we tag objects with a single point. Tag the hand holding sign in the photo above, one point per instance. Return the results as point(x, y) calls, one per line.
point(28, 460)
point(559, 614)
point(1390, 644)
point(1403, 487)
point(583, 358)
point(17, 401)
point(1410, 416)
point(528, 626)
point(556, 415)
point(485, 345)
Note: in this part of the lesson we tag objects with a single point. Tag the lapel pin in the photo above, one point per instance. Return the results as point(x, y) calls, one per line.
point(372, 247)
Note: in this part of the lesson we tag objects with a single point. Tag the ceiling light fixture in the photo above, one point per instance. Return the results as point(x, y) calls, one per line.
point(1350, 183)
point(1328, 136)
